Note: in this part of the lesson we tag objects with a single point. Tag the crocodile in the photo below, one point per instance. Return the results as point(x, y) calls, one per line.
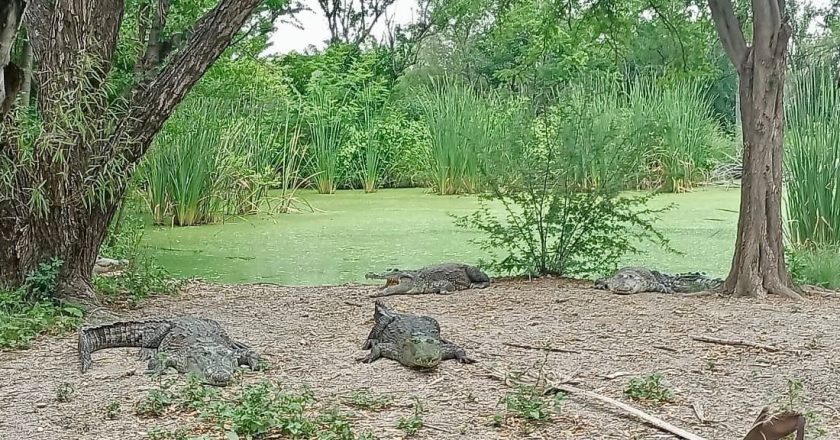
point(439, 278)
point(187, 344)
point(630, 280)
point(411, 340)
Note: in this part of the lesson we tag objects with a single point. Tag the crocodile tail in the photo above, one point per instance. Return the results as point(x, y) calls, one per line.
point(381, 309)
point(144, 334)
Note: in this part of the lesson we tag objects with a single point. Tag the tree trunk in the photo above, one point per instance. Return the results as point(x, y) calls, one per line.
point(758, 266)
point(26, 91)
point(60, 204)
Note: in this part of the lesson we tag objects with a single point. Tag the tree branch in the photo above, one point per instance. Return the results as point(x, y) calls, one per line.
point(729, 31)
point(154, 101)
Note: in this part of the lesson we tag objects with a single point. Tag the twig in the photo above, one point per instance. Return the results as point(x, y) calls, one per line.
point(662, 347)
point(354, 304)
point(617, 374)
point(436, 428)
point(655, 421)
point(735, 342)
point(531, 347)
point(698, 411)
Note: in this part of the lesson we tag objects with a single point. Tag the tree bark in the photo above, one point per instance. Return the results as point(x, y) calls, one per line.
point(26, 91)
point(61, 204)
point(758, 265)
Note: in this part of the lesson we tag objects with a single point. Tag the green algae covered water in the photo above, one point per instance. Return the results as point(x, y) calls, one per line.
point(351, 233)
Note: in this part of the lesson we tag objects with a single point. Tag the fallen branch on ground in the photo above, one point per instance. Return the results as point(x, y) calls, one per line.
point(555, 387)
point(735, 342)
point(531, 347)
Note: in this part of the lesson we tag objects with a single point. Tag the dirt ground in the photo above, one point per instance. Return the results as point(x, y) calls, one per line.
point(313, 336)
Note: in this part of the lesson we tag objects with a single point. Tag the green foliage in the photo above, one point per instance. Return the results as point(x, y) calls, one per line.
point(795, 398)
point(811, 157)
point(412, 425)
point(327, 132)
point(672, 123)
point(225, 165)
point(142, 277)
point(649, 389)
point(817, 265)
point(112, 410)
point(461, 124)
point(558, 181)
point(64, 392)
point(24, 316)
point(530, 404)
point(261, 410)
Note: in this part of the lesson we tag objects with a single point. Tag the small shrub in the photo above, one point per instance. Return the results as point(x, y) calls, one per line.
point(112, 410)
point(794, 399)
point(412, 425)
point(558, 188)
point(154, 404)
point(529, 403)
point(30, 310)
point(649, 389)
point(64, 392)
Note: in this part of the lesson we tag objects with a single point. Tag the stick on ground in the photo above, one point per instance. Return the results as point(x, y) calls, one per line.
point(555, 387)
point(531, 347)
point(735, 342)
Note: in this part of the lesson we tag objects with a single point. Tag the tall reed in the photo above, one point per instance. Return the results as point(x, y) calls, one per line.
point(370, 168)
point(327, 132)
point(812, 157)
point(674, 121)
point(460, 123)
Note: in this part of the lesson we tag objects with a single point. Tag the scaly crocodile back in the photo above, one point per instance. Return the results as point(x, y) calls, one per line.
point(144, 334)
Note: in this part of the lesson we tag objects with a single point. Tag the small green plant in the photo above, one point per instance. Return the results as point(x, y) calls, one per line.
point(154, 404)
point(179, 433)
point(365, 400)
point(649, 389)
point(412, 425)
point(195, 395)
point(529, 403)
point(112, 410)
point(794, 399)
point(64, 392)
point(30, 310)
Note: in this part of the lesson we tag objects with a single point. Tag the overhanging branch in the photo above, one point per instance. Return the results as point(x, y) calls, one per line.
point(729, 30)
point(154, 101)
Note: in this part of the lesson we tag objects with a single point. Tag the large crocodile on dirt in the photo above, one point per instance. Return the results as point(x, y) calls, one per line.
point(630, 280)
point(411, 340)
point(439, 278)
point(187, 344)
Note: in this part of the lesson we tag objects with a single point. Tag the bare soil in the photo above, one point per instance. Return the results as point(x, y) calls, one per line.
point(312, 336)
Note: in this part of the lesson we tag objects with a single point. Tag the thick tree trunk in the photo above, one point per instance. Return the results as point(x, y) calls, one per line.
point(60, 204)
point(758, 266)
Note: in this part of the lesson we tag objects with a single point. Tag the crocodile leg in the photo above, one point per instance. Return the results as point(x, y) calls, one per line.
point(248, 357)
point(443, 287)
point(449, 350)
point(481, 285)
point(478, 279)
point(377, 329)
point(381, 350)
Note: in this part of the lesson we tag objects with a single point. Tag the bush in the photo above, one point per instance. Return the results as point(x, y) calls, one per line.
point(142, 277)
point(674, 125)
point(557, 182)
point(31, 309)
point(817, 265)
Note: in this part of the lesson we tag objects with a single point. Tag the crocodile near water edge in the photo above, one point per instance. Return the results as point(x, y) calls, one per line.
point(630, 280)
point(439, 278)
